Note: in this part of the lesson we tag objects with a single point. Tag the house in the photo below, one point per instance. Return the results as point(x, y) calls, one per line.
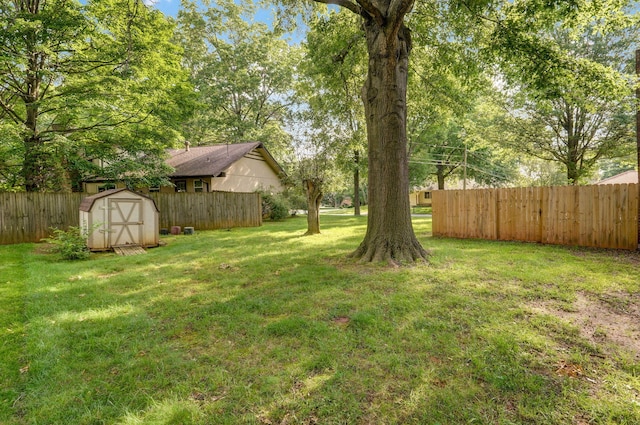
point(421, 198)
point(240, 167)
point(630, 176)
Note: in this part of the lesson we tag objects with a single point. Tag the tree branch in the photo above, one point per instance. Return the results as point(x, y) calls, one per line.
point(398, 9)
point(10, 112)
point(106, 122)
point(370, 10)
point(347, 4)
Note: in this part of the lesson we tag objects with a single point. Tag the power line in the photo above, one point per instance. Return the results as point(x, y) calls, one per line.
point(503, 176)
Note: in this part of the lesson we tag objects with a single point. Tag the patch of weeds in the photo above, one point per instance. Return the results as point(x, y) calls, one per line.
point(618, 302)
point(340, 310)
point(600, 333)
point(319, 362)
point(168, 412)
point(501, 365)
point(70, 244)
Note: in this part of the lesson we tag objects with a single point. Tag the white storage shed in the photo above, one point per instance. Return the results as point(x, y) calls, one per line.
point(119, 217)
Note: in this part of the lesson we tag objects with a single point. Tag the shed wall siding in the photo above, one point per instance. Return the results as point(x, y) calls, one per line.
point(96, 221)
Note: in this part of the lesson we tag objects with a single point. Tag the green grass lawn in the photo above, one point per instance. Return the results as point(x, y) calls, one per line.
point(265, 326)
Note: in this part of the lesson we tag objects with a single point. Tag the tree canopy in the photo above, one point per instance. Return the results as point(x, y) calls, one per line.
point(82, 82)
point(579, 121)
point(243, 72)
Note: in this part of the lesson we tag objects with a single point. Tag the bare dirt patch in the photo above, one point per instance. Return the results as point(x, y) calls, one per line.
point(44, 248)
point(611, 318)
point(342, 320)
point(621, 255)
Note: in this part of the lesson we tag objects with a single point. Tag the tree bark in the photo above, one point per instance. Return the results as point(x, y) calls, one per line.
point(440, 176)
point(638, 135)
point(390, 236)
point(313, 190)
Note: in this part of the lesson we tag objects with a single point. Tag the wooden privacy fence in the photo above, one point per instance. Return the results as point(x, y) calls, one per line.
point(209, 210)
point(28, 217)
point(603, 216)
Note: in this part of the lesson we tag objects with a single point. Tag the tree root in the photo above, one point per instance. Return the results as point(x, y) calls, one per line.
point(395, 255)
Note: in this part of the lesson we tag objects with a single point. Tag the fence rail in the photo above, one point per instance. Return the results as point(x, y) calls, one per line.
point(603, 216)
point(28, 217)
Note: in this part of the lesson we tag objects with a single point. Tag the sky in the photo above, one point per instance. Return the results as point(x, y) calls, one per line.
point(171, 7)
point(168, 7)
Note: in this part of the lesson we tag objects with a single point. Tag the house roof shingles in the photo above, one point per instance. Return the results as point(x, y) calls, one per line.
point(207, 160)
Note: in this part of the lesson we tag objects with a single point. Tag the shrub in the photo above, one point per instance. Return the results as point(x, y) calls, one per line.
point(297, 201)
point(70, 244)
point(274, 207)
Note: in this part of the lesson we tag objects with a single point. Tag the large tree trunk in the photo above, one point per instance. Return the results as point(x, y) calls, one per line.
point(313, 190)
point(390, 236)
point(638, 136)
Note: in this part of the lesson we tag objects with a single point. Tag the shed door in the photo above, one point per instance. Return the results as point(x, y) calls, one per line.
point(125, 221)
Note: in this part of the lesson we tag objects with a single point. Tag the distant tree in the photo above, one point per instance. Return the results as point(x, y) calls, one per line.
point(316, 165)
point(333, 75)
point(243, 72)
point(612, 167)
point(537, 172)
point(444, 148)
point(83, 81)
point(579, 120)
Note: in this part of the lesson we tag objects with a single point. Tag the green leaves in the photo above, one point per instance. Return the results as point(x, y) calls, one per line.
point(585, 116)
point(89, 80)
point(243, 73)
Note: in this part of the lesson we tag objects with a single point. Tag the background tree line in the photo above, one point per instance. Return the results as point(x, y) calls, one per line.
point(508, 93)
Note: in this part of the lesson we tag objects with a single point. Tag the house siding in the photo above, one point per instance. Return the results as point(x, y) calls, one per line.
point(94, 187)
point(248, 174)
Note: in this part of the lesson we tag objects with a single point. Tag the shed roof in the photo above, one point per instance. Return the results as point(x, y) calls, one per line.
point(87, 203)
point(213, 160)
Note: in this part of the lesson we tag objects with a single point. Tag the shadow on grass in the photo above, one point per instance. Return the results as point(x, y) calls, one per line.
point(264, 326)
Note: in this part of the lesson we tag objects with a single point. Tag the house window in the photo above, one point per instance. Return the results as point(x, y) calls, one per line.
point(198, 185)
point(181, 185)
point(427, 195)
point(154, 189)
point(106, 186)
